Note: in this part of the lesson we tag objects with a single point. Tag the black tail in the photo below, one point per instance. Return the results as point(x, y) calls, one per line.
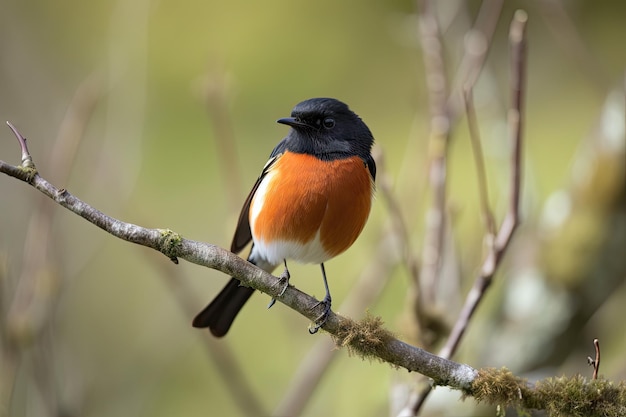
point(219, 315)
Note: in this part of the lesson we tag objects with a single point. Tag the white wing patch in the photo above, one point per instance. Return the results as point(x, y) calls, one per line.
point(259, 198)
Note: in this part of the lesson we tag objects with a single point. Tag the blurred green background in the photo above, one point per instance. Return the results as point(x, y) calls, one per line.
point(178, 101)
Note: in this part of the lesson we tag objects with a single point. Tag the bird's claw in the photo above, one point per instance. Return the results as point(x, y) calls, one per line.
point(321, 320)
point(284, 277)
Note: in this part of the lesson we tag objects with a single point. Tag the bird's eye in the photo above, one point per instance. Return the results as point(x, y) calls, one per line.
point(329, 123)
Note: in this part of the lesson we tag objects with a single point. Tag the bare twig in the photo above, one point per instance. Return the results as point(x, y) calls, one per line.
point(511, 220)
point(483, 189)
point(27, 160)
point(517, 39)
point(595, 362)
point(477, 42)
point(445, 112)
point(436, 84)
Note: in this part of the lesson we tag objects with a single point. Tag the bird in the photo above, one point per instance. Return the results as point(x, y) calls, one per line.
point(309, 204)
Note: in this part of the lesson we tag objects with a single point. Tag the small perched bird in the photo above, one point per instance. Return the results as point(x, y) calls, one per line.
point(309, 204)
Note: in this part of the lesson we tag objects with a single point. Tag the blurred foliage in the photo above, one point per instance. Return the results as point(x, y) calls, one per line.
point(109, 335)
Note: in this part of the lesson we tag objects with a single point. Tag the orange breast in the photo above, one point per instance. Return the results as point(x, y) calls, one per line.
point(303, 195)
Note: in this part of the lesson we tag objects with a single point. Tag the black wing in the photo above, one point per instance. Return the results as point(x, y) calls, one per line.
point(243, 234)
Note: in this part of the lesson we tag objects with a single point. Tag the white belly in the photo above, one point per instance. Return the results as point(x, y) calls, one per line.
point(274, 252)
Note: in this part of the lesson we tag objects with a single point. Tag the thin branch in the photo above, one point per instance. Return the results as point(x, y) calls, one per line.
point(445, 112)
point(27, 160)
point(477, 42)
point(517, 39)
point(511, 220)
point(595, 362)
point(479, 160)
point(436, 84)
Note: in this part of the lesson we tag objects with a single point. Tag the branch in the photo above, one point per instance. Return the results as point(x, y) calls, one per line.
point(445, 109)
point(478, 40)
point(366, 339)
point(511, 220)
point(517, 40)
point(595, 362)
point(479, 161)
point(440, 129)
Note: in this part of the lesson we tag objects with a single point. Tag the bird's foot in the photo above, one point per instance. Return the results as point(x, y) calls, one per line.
point(283, 280)
point(321, 320)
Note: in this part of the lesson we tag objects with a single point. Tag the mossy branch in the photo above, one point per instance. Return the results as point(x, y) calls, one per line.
point(560, 396)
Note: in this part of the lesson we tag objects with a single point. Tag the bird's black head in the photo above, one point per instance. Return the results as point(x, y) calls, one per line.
point(328, 129)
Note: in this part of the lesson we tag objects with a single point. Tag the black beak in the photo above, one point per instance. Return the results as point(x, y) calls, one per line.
point(291, 121)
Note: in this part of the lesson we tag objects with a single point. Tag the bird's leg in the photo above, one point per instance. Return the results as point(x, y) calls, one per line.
point(327, 303)
point(284, 277)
